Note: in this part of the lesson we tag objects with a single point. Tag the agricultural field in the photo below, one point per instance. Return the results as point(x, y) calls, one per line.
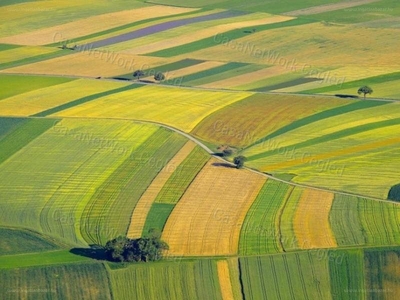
point(93, 156)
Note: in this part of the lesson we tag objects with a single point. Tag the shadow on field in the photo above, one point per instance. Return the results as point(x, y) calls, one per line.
point(95, 252)
point(346, 96)
point(225, 165)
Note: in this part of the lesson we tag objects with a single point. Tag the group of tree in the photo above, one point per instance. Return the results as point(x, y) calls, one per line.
point(159, 76)
point(144, 249)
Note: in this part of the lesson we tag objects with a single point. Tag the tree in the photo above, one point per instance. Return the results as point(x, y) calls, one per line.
point(159, 76)
point(239, 161)
point(148, 248)
point(138, 74)
point(394, 193)
point(364, 90)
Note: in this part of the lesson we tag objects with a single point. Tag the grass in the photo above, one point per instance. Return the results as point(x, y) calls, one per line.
point(157, 216)
point(287, 276)
point(85, 99)
point(167, 280)
point(8, 125)
point(108, 213)
point(183, 176)
point(85, 281)
point(11, 85)
point(346, 269)
point(22, 136)
point(15, 241)
point(5, 47)
point(229, 35)
point(259, 233)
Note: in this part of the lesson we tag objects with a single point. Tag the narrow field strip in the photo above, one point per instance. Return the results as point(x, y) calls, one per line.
point(311, 221)
point(143, 206)
point(46, 99)
point(34, 59)
point(8, 125)
point(157, 217)
point(225, 280)
point(20, 53)
point(91, 25)
point(208, 218)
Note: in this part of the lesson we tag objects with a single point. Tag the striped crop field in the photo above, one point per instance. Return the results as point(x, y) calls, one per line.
point(311, 221)
point(382, 273)
point(301, 275)
point(346, 268)
point(181, 108)
point(83, 155)
point(85, 281)
point(143, 206)
point(108, 212)
point(39, 100)
point(23, 52)
point(225, 280)
point(169, 280)
point(260, 229)
point(94, 24)
point(245, 122)
point(15, 241)
point(11, 85)
point(208, 218)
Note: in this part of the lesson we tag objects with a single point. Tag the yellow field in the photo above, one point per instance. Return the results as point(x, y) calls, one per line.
point(313, 46)
point(143, 206)
point(208, 218)
point(189, 70)
point(181, 108)
point(23, 52)
point(225, 280)
point(91, 63)
point(42, 99)
point(184, 35)
point(91, 25)
point(311, 221)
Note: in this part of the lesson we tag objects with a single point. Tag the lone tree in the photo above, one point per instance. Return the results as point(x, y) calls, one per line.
point(364, 90)
point(239, 161)
point(148, 248)
point(159, 76)
point(137, 74)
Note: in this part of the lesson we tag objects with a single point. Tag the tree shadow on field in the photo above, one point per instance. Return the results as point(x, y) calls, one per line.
point(346, 96)
point(225, 165)
point(94, 252)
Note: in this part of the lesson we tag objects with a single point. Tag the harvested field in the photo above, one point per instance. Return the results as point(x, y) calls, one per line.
point(225, 280)
point(208, 218)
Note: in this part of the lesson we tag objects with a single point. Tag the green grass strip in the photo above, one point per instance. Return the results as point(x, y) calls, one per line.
point(39, 259)
point(259, 234)
point(320, 116)
point(346, 271)
point(123, 27)
point(9, 124)
point(4, 47)
point(187, 80)
point(332, 136)
point(11, 85)
point(35, 59)
point(23, 135)
point(229, 35)
point(286, 84)
point(356, 83)
point(85, 100)
point(158, 216)
point(184, 174)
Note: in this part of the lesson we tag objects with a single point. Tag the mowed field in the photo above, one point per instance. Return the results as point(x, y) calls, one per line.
point(89, 153)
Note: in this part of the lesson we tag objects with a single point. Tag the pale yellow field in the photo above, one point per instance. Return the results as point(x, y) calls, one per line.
point(208, 218)
point(189, 70)
point(311, 220)
point(42, 99)
point(23, 52)
point(180, 108)
point(181, 36)
point(91, 25)
point(312, 46)
point(225, 280)
point(91, 64)
point(143, 206)
point(244, 79)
